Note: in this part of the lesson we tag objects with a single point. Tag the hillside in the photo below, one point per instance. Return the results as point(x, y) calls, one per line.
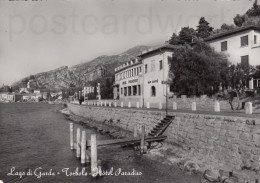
point(79, 75)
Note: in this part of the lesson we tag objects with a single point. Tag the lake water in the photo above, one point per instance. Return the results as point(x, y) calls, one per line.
point(34, 143)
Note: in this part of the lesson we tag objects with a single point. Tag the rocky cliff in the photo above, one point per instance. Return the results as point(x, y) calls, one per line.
point(79, 75)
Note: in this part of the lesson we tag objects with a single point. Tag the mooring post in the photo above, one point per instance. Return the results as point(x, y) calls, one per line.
point(78, 143)
point(142, 138)
point(249, 108)
point(137, 105)
point(160, 105)
point(83, 147)
point(174, 107)
point(135, 130)
point(217, 106)
point(147, 105)
point(71, 137)
point(93, 155)
point(193, 106)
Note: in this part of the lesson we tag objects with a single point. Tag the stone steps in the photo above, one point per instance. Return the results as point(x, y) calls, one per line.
point(161, 127)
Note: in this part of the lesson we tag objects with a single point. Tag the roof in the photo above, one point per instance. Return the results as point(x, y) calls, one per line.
point(4, 92)
point(224, 34)
point(164, 46)
point(126, 67)
point(29, 94)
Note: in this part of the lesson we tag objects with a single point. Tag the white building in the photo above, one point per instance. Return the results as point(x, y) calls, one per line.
point(10, 97)
point(140, 80)
point(241, 45)
point(91, 89)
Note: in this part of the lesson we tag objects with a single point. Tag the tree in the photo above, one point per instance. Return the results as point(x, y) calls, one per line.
point(175, 40)
point(186, 35)
point(254, 11)
point(203, 29)
point(239, 20)
point(195, 70)
point(237, 80)
point(256, 73)
point(107, 89)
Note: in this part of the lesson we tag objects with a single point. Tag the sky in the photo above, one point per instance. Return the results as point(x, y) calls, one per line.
point(41, 35)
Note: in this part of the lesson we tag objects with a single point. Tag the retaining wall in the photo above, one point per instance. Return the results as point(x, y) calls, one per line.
point(232, 141)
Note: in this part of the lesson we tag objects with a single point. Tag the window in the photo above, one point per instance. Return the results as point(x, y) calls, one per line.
point(255, 39)
point(224, 46)
point(245, 61)
point(129, 91)
point(121, 91)
point(244, 41)
point(153, 91)
point(135, 90)
point(161, 66)
point(137, 71)
point(140, 69)
point(145, 68)
point(139, 90)
point(125, 91)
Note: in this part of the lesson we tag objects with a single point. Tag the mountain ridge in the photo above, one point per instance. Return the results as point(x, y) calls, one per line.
point(82, 74)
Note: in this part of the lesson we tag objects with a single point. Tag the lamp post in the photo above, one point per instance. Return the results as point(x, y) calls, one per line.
point(167, 83)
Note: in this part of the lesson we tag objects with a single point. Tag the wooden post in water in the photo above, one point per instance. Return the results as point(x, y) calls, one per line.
point(71, 137)
point(83, 147)
point(78, 143)
point(142, 139)
point(135, 130)
point(93, 142)
point(87, 156)
point(99, 167)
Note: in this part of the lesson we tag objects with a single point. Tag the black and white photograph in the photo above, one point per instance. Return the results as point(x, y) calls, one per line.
point(130, 91)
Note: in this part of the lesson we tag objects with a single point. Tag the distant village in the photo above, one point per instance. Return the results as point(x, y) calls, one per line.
point(27, 94)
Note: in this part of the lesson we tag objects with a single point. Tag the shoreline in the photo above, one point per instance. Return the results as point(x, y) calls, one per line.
point(164, 152)
point(173, 154)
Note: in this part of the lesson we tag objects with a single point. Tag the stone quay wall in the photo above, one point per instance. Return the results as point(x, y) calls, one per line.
point(230, 141)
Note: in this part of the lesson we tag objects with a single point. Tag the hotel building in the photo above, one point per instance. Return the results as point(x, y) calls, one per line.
point(140, 80)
